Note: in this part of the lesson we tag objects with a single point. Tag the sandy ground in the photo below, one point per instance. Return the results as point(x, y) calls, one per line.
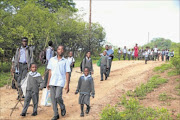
point(125, 75)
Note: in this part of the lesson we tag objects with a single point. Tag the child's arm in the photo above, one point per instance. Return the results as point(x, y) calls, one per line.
point(92, 88)
point(79, 86)
point(41, 82)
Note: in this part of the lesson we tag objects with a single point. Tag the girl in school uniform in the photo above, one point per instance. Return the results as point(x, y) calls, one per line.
point(85, 89)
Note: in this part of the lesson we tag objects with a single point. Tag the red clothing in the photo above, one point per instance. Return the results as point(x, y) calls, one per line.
point(136, 51)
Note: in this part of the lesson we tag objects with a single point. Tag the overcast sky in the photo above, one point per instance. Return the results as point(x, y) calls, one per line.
point(128, 22)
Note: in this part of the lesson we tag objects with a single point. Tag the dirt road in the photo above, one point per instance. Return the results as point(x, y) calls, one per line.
point(125, 75)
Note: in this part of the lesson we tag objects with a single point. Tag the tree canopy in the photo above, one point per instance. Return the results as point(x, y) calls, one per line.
point(45, 20)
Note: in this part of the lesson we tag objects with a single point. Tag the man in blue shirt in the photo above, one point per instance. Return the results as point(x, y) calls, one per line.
point(110, 53)
point(49, 55)
point(59, 69)
point(22, 61)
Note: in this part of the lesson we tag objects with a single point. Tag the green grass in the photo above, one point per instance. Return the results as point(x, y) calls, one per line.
point(172, 73)
point(5, 67)
point(4, 78)
point(165, 97)
point(142, 91)
point(134, 111)
point(163, 68)
point(177, 79)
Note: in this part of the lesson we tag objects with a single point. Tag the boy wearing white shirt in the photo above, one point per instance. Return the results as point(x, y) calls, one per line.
point(124, 52)
point(156, 52)
point(71, 62)
point(132, 54)
point(59, 69)
point(119, 53)
point(129, 54)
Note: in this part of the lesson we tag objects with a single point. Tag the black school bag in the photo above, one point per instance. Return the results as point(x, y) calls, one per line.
point(81, 65)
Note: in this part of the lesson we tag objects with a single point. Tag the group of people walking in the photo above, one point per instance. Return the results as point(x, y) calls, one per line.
point(145, 54)
point(58, 73)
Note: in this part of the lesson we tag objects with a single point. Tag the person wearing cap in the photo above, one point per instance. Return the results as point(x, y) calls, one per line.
point(22, 61)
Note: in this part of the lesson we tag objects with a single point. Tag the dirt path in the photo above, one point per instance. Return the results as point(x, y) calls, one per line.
point(125, 75)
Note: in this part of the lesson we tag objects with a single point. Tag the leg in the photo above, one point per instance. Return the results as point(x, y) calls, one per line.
point(46, 77)
point(35, 98)
point(53, 100)
point(58, 97)
point(88, 109)
point(27, 101)
point(82, 110)
point(101, 72)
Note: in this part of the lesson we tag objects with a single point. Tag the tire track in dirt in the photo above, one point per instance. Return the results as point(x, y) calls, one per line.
point(125, 75)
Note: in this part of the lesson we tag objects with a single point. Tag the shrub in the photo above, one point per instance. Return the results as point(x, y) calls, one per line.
point(163, 68)
point(176, 63)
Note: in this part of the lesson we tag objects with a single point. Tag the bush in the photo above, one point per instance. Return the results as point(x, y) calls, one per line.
point(134, 111)
point(163, 68)
point(176, 63)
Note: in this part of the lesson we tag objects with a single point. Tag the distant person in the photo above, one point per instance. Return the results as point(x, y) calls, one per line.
point(151, 55)
point(23, 59)
point(132, 54)
point(155, 52)
point(169, 55)
point(34, 83)
point(59, 69)
point(172, 53)
point(87, 62)
point(129, 54)
point(136, 49)
point(104, 65)
point(159, 54)
point(167, 52)
point(49, 55)
point(119, 53)
point(124, 52)
point(163, 54)
point(146, 55)
point(71, 62)
point(85, 88)
point(110, 53)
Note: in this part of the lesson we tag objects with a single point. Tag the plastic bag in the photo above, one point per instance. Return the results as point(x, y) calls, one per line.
point(99, 63)
point(46, 99)
point(24, 85)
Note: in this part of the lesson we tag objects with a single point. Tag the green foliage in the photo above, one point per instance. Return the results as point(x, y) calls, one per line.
point(172, 73)
point(5, 67)
point(163, 68)
point(163, 97)
point(134, 111)
point(176, 63)
point(5, 78)
point(154, 82)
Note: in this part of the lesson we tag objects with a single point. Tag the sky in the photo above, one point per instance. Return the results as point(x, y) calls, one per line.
point(128, 22)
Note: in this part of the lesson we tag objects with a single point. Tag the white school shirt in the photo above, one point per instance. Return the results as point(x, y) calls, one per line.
point(160, 52)
point(151, 53)
point(132, 53)
point(58, 68)
point(119, 51)
point(129, 52)
point(124, 50)
point(146, 53)
point(155, 50)
point(71, 60)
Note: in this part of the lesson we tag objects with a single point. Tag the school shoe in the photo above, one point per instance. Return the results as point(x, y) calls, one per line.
point(63, 112)
point(82, 114)
point(106, 78)
point(101, 80)
point(34, 114)
point(22, 114)
point(55, 117)
point(88, 109)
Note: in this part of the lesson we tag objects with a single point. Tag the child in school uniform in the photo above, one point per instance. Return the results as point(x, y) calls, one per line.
point(129, 54)
point(71, 62)
point(87, 62)
point(34, 84)
point(85, 89)
point(104, 65)
point(132, 54)
point(172, 53)
point(146, 55)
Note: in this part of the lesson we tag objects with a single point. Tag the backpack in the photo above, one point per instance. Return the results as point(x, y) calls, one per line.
point(42, 56)
point(81, 65)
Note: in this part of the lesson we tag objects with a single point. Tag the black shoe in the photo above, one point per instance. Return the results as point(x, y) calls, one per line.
point(34, 114)
point(63, 112)
point(17, 98)
point(106, 78)
point(82, 114)
point(22, 114)
point(88, 109)
point(23, 96)
point(55, 117)
point(101, 80)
